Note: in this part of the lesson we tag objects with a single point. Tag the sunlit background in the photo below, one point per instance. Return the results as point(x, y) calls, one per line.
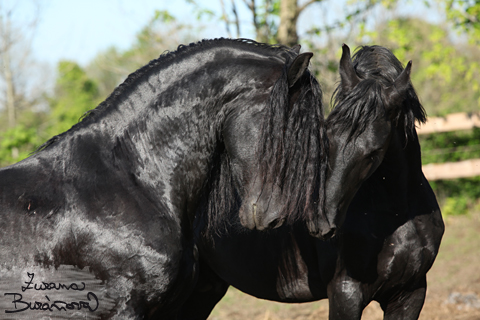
point(62, 58)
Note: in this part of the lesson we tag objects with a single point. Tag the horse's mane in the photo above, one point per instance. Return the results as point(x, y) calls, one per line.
point(380, 67)
point(293, 149)
point(165, 59)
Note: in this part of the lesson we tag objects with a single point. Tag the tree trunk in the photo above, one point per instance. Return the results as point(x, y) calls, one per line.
point(7, 71)
point(10, 94)
point(287, 30)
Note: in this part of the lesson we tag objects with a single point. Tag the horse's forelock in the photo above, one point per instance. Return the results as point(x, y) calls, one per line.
point(376, 62)
point(356, 110)
point(379, 64)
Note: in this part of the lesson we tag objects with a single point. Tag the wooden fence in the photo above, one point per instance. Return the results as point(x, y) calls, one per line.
point(451, 170)
point(452, 122)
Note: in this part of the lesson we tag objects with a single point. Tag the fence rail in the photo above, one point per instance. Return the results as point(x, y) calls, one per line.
point(451, 122)
point(451, 170)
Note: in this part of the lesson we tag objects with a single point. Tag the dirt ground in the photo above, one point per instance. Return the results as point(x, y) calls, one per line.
point(453, 285)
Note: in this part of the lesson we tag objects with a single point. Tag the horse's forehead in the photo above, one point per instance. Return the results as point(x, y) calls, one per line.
point(379, 64)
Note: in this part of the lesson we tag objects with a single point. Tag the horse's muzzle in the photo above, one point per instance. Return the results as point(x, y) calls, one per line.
point(256, 218)
point(322, 229)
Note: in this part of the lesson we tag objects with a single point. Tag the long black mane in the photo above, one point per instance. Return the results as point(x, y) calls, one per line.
point(355, 111)
point(166, 59)
point(380, 67)
point(294, 146)
point(293, 149)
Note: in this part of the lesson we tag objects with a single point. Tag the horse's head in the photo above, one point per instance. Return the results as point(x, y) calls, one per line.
point(273, 150)
point(359, 130)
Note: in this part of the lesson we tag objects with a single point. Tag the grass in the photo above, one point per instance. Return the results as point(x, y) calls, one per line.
point(456, 269)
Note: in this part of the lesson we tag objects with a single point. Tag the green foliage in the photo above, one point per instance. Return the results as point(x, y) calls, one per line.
point(17, 143)
point(465, 15)
point(457, 196)
point(455, 206)
point(164, 16)
point(268, 19)
point(199, 11)
point(450, 146)
point(444, 73)
point(161, 33)
point(75, 94)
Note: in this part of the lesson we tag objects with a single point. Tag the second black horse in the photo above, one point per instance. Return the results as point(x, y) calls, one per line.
point(385, 242)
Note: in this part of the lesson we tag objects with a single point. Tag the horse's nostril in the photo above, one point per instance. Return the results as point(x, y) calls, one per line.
point(329, 234)
point(275, 223)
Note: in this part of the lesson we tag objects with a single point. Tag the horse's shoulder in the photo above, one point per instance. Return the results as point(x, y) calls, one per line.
point(407, 253)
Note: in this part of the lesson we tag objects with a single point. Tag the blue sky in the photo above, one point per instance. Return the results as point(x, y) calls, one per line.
point(78, 30)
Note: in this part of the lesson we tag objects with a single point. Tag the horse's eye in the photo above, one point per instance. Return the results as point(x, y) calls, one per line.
point(31, 205)
point(373, 156)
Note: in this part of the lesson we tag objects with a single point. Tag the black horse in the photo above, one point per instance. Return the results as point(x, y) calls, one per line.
point(237, 122)
point(385, 242)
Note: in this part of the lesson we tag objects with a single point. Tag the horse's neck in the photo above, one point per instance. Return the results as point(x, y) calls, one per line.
point(399, 182)
point(152, 135)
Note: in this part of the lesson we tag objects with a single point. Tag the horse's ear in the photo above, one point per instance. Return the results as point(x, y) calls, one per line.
point(297, 48)
point(396, 93)
point(298, 67)
point(401, 83)
point(348, 75)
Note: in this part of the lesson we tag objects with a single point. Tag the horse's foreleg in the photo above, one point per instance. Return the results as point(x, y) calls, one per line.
point(208, 291)
point(345, 299)
point(407, 304)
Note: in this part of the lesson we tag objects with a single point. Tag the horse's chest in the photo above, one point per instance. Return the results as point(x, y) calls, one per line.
point(292, 280)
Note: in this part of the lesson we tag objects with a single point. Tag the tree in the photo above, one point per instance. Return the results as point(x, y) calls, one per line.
point(160, 34)
point(75, 93)
point(16, 60)
point(274, 21)
point(24, 139)
point(465, 15)
point(444, 72)
point(287, 30)
point(22, 83)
